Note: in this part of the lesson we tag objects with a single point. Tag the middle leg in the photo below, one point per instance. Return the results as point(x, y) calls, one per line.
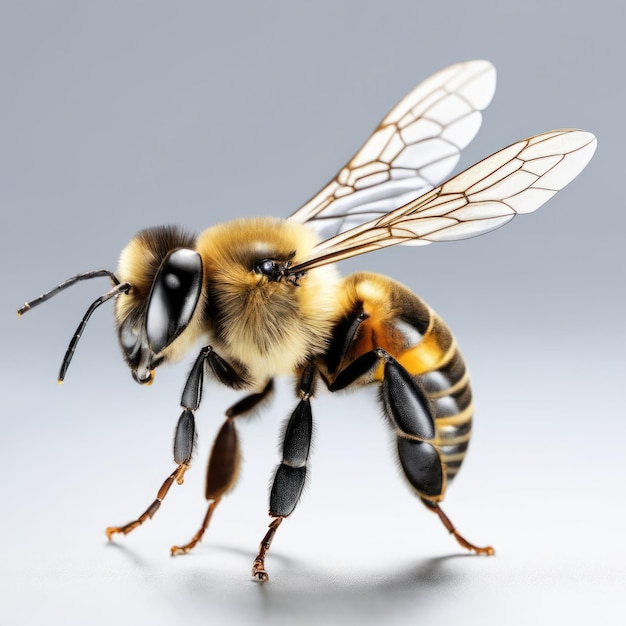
point(291, 473)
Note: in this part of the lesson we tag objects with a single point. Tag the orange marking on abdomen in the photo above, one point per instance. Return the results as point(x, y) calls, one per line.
point(426, 356)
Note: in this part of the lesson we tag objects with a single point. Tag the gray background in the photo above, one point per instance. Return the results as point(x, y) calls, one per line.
point(119, 115)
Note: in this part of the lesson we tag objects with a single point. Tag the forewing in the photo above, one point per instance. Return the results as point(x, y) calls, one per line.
point(515, 180)
point(413, 149)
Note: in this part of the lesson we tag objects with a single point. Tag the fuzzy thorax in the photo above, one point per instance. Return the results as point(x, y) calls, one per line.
point(271, 327)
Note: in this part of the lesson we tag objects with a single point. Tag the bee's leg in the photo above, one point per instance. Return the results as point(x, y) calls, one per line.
point(183, 447)
point(224, 462)
point(445, 520)
point(291, 473)
point(409, 410)
point(186, 429)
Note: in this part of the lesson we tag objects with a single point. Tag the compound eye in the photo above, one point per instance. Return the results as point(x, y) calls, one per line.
point(174, 296)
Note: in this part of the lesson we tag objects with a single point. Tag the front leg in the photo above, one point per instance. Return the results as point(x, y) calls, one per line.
point(183, 447)
point(224, 462)
point(186, 428)
point(291, 473)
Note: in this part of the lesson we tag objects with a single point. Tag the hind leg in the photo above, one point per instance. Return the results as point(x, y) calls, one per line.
point(409, 410)
point(445, 520)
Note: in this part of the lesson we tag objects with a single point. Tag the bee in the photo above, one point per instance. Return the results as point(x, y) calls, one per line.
point(264, 297)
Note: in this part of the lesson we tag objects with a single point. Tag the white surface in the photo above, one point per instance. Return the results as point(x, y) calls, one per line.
point(360, 548)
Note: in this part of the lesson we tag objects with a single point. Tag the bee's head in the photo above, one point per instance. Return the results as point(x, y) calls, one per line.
point(165, 275)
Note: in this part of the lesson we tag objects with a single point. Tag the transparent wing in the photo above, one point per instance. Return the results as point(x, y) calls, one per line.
point(413, 149)
point(517, 179)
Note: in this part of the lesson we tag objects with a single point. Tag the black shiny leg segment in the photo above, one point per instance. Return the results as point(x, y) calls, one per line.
point(224, 462)
point(184, 438)
point(221, 369)
point(408, 409)
point(291, 473)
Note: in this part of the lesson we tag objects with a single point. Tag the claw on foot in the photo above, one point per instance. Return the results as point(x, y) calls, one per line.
point(258, 567)
point(177, 550)
point(435, 508)
point(124, 530)
point(259, 573)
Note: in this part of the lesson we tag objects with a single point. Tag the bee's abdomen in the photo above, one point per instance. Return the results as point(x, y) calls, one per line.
point(448, 387)
point(396, 320)
point(436, 362)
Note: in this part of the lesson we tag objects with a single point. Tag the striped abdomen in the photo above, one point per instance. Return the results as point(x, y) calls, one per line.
point(381, 313)
point(448, 386)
